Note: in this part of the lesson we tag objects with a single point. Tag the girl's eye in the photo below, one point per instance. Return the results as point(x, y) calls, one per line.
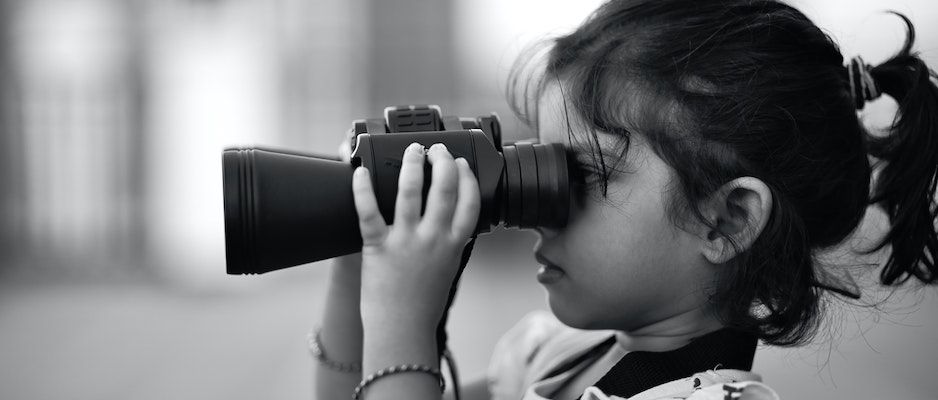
point(583, 178)
point(582, 171)
point(586, 174)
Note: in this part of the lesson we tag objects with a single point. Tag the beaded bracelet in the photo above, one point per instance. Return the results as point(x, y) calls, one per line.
point(396, 370)
point(315, 348)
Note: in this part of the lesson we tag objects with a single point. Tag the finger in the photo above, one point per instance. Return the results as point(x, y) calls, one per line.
point(410, 186)
point(370, 221)
point(441, 201)
point(469, 201)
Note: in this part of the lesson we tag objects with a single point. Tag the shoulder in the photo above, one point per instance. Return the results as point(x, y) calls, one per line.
point(529, 335)
point(534, 345)
point(515, 351)
point(708, 385)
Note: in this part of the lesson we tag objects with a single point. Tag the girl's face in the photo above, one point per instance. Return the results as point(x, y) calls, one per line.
point(623, 264)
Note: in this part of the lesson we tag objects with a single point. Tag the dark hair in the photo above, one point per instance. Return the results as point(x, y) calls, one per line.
point(732, 88)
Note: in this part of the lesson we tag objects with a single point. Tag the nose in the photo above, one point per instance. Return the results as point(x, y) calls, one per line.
point(546, 232)
point(545, 236)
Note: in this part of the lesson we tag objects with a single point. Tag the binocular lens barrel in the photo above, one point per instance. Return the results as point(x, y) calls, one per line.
point(283, 210)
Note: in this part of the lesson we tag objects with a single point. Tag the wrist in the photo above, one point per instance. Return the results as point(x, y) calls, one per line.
point(393, 344)
point(346, 271)
point(382, 317)
point(381, 306)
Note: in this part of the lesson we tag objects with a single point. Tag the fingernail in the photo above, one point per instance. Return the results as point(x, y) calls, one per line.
point(438, 146)
point(361, 171)
point(462, 161)
point(416, 148)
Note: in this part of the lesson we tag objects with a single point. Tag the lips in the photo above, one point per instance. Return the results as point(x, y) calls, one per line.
point(549, 272)
point(541, 259)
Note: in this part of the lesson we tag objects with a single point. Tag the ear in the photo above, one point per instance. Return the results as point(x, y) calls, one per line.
point(738, 212)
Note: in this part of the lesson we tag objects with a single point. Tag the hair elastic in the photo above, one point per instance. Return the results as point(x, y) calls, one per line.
point(862, 85)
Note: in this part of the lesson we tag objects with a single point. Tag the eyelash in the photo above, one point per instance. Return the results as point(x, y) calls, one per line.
point(586, 175)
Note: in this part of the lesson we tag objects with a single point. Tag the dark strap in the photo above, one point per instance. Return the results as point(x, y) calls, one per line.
point(638, 371)
point(441, 336)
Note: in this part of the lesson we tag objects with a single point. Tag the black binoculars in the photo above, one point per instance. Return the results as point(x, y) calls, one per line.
point(284, 209)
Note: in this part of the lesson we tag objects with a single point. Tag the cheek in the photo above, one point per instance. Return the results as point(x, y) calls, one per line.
point(630, 244)
point(638, 273)
point(627, 228)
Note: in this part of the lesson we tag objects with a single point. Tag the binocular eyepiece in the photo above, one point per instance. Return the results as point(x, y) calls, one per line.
point(284, 209)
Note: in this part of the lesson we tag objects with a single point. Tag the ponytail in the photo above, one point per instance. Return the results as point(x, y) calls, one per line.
point(905, 188)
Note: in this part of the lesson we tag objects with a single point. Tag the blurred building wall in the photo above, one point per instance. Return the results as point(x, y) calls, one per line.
point(324, 76)
point(9, 176)
point(411, 51)
point(71, 135)
point(114, 115)
point(212, 69)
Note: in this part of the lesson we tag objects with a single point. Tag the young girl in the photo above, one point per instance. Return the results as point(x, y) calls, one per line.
point(720, 151)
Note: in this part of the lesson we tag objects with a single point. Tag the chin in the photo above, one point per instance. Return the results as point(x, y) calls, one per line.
point(570, 315)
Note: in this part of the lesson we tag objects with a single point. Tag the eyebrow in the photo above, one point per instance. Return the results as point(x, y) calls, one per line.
point(614, 163)
point(587, 153)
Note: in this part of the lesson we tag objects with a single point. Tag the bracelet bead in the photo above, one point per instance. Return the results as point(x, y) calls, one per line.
point(396, 369)
point(315, 349)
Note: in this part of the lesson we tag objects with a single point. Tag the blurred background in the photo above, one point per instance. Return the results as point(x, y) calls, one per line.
point(113, 115)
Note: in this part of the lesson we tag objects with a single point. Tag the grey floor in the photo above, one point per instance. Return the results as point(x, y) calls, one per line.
point(246, 341)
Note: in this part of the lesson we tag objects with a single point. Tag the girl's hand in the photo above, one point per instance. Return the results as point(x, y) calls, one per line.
point(408, 267)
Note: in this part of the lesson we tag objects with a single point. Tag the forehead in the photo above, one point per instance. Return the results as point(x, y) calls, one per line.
point(559, 122)
point(552, 117)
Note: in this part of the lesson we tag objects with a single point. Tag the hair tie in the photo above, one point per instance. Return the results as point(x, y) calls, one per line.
point(862, 86)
